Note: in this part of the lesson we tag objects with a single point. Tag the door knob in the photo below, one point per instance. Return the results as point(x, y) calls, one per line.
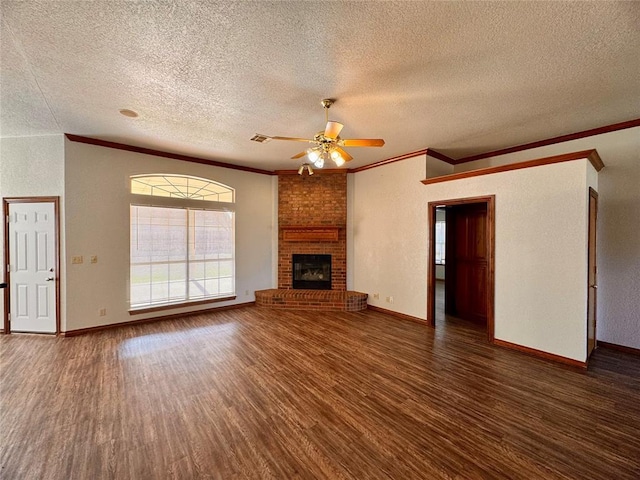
point(50, 279)
point(594, 286)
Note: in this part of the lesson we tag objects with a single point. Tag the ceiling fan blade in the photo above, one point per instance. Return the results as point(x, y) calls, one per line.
point(298, 155)
point(293, 139)
point(333, 129)
point(362, 142)
point(344, 154)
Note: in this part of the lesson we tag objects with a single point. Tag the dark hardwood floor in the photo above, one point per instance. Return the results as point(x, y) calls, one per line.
point(255, 393)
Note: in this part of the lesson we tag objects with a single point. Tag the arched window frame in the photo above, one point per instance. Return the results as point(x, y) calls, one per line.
point(185, 187)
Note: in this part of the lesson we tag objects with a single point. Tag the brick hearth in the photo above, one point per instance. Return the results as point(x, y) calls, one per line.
point(312, 299)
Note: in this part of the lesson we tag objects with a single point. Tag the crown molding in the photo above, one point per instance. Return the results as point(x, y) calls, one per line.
point(551, 141)
point(425, 151)
point(591, 155)
point(162, 153)
point(388, 161)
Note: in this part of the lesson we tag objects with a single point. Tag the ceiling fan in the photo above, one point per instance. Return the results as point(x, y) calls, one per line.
point(327, 143)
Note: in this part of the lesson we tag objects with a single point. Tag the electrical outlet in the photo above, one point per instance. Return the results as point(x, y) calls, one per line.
point(94, 259)
point(77, 260)
point(376, 296)
point(389, 299)
point(103, 312)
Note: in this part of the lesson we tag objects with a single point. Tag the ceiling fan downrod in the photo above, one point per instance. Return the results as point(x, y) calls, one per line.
point(326, 104)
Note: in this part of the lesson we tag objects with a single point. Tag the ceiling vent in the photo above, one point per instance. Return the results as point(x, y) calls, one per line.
point(260, 138)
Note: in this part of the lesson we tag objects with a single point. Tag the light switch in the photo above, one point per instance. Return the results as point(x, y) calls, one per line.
point(77, 260)
point(94, 259)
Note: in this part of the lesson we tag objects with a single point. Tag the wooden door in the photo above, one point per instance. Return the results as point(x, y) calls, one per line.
point(592, 286)
point(467, 262)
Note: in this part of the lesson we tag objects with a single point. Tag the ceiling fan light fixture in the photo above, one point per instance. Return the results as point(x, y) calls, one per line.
point(302, 168)
point(319, 163)
point(313, 155)
point(337, 158)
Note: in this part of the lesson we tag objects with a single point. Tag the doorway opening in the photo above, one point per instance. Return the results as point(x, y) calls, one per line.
point(32, 265)
point(465, 263)
point(592, 269)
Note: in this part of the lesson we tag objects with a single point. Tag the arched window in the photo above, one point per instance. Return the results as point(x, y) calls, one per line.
point(181, 186)
point(182, 243)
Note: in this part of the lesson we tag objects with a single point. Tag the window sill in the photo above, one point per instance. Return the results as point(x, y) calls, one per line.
point(171, 306)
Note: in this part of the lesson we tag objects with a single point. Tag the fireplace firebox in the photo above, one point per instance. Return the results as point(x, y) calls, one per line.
point(311, 271)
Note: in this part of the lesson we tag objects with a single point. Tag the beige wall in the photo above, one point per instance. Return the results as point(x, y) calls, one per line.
point(540, 299)
point(541, 253)
point(618, 227)
point(97, 213)
point(33, 167)
point(540, 269)
point(389, 224)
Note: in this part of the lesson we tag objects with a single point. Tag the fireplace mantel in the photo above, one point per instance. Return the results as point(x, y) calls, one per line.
point(310, 233)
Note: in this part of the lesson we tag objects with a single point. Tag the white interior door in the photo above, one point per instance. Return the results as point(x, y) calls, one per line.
point(32, 263)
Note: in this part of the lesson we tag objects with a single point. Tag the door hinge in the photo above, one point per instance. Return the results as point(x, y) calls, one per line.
point(9, 317)
point(8, 219)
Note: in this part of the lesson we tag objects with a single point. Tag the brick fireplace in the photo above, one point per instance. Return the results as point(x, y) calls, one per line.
point(312, 218)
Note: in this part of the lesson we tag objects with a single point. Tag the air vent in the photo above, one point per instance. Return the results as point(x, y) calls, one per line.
point(260, 138)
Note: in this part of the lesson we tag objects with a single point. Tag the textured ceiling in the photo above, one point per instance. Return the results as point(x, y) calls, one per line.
point(459, 77)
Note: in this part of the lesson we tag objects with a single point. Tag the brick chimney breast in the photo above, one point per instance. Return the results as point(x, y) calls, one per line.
point(311, 202)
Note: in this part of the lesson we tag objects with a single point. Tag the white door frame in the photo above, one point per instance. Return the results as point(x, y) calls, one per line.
point(56, 208)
